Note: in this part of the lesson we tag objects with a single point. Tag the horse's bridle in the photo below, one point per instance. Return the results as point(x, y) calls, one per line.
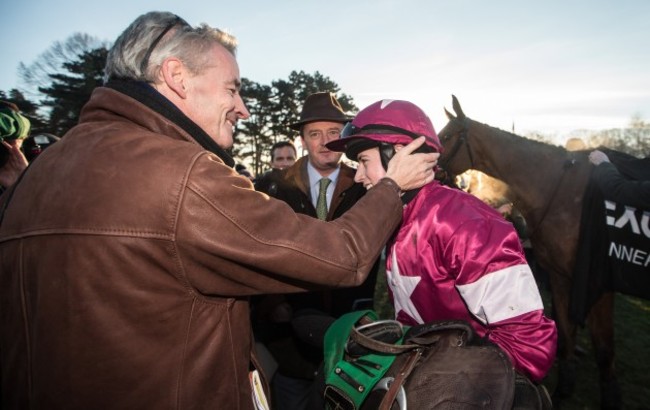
point(462, 140)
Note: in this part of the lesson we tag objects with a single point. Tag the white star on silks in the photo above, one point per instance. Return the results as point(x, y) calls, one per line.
point(402, 288)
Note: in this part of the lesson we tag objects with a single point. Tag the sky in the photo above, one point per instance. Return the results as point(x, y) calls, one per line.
point(540, 66)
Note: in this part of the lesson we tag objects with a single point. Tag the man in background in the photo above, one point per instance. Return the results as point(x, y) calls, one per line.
point(616, 186)
point(283, 155)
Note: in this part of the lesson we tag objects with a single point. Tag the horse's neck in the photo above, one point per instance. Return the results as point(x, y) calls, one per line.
point(528, 167)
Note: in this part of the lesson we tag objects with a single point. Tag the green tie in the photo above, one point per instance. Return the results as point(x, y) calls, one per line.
point(321, 204)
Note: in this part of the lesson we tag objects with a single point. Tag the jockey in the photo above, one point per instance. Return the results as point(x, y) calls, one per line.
point(453, 257)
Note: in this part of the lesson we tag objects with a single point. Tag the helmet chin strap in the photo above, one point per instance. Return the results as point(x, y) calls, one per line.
point(386, 153)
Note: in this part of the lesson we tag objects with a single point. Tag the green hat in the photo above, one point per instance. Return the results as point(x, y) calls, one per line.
point(13, 125)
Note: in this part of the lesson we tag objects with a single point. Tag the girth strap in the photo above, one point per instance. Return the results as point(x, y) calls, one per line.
point(400, 378)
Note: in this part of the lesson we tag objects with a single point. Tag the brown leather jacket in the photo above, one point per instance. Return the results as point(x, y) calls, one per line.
point(127, 256)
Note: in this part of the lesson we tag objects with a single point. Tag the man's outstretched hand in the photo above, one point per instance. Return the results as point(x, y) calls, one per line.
point(411, 171)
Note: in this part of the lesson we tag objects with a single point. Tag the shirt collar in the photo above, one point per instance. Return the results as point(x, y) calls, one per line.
point(315, 176)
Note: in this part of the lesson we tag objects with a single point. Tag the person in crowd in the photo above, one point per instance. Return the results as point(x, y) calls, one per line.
point(130, 248)
point(453, 256)
point(35, 144)
point(283, 155)
point(321, 186)
point(243, 171)
point(575, 144)
point(615, 186)
point(14, 128)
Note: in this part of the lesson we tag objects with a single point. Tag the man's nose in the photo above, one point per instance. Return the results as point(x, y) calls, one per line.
point(325, 139)
point(240, 107)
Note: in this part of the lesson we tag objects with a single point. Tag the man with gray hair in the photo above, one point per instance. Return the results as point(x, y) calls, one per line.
point(129, 250)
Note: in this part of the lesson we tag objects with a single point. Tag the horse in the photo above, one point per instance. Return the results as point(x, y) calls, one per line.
point(546, 184)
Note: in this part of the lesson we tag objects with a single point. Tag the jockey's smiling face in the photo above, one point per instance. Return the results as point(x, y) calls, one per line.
point(370, 169)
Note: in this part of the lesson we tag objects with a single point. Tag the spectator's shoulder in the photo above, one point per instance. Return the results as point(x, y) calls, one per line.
point(265, 181)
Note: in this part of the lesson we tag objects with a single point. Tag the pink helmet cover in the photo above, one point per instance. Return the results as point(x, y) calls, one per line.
point(393, 115)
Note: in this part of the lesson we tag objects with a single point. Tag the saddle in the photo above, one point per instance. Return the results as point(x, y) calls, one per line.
point(373, 364)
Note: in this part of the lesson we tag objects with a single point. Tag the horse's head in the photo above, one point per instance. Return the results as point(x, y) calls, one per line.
point(457, 157)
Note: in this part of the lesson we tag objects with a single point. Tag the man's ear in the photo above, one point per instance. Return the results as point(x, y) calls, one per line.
point(174, 74)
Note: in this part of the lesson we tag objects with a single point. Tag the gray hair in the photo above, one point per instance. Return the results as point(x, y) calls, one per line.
point(141, 49)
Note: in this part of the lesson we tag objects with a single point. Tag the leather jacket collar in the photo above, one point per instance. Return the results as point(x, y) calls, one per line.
point(148, 96)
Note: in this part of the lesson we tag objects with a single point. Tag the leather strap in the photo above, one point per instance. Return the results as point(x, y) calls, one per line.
point(400, 378)
point(378, 346)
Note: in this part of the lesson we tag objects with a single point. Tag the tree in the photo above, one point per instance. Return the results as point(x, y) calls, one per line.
point(255, 137)
point(69, 92)
point(28, 108)
point(273, 108)
point(38, 74)
point(291, 94)
point(638, 136)
point(633, 140)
